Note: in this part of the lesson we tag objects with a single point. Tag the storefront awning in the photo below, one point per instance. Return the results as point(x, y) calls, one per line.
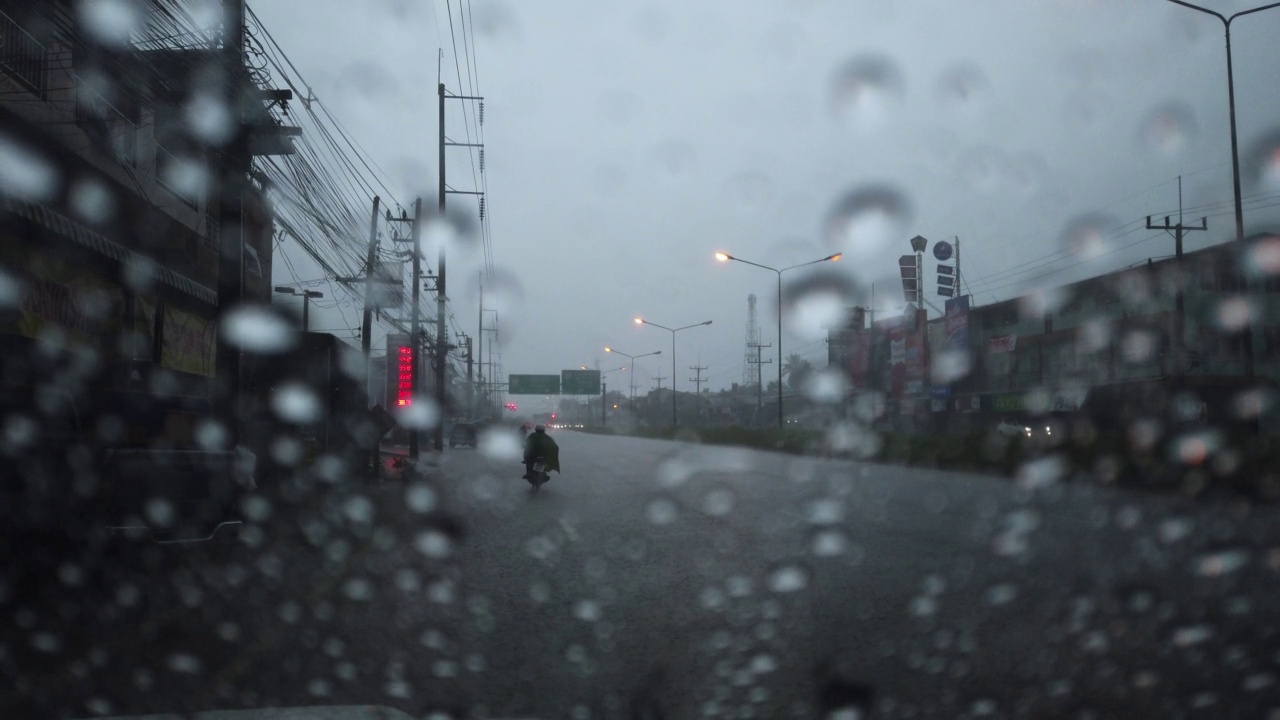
point(78, 233)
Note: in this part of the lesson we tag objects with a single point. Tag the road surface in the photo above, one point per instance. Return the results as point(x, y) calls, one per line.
point(662, 579)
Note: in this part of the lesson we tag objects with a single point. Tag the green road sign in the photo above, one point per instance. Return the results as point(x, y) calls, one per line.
point(533, 385)
point(580, 382)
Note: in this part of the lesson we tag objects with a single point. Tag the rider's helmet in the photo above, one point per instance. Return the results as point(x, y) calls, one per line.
point(540, 428)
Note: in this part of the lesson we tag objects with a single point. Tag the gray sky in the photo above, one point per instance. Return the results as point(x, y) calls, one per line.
point(627, 142)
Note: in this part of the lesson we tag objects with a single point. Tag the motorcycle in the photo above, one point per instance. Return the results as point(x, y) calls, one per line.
point(538, 476)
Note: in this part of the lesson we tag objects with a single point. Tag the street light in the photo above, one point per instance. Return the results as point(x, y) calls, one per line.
point(726, 257)
point(673, 331)
point(631, 403)
point(1235, 151)
point(306, 301)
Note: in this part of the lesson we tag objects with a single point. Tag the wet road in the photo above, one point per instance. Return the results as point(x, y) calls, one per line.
point(682, 581)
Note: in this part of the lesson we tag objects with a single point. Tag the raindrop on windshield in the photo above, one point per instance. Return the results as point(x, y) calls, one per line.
point(1168, 129)
point(422, 413)
point(296, 403)
point(500, 444)
point(433, 544)
point(1264, 162)
point(788, 578)
point(816, 302)
point(420, 498)
point(962, 88)
point(827, 385)
point(1234, 313)
point(661, 511)
point(258, 329)
point(865, 223)
point(91, 201)
point(829, 543)
point(24, 173)
point(587, 610)
point(951, 366)
point(718, 501)
point(1089, 236)
point(111, 22)
point(866, 92)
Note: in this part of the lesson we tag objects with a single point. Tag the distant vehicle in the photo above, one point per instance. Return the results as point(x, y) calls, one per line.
point(464, 434)
point(1010, 427)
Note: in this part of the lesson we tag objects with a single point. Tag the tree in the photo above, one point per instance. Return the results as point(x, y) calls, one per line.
point(797, 370)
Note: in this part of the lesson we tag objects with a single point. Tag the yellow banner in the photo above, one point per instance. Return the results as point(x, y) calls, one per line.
point(190, 342)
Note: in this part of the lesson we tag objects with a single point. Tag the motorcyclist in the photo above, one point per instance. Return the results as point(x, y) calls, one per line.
point(540, 445)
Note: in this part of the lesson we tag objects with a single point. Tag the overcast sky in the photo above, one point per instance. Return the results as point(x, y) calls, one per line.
point(628, 141)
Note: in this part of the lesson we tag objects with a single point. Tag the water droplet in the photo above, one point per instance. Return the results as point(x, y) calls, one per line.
point(1168, 129)
point(433, 544)
point(662, 511)
point(188, 177)
point(1262, 257)
point(185, 664)
point(258, 329)
point(854, 438)
point(711, 598)
point(1138, 346)
point(788, 578)
point(1234, 313)
point(739, 586)
point(111, 22)
point(924, 606)
point(587, 610)
point(1192, 635)
point(159, 511)
point(962, 88)
point(92, 202)
point(500, 444)
point(422, 413)
point(1094, 335)
point(829, 543)
point(814, 304)
point(358, 589)
point(827, 385)
point(1001, 594)
point(1174, 529)
point(1258, 681)
point(825, 511)
point(358, 509)
point(208, 116)
point(718, 501)
point(1263, 163)
point(1042, 473)
point(676, 157)
point(539, 591)
point(25, 173)
point(1221, 563)
point(866, 92)
point(297, 403)
point(866, 223)
point(318, 687)
point(951, 366)
point(1089, 236)
point(749, 191)
point(1252, 403)
point(420, 498)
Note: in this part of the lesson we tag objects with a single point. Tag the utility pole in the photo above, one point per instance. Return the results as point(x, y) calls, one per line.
point(697, 389)
point(659, 378)
point(234, 171)
point(471, 388)
point(480, 345)
point(757, 360)
point(366, 322)
point(1179, 311)
point(442, 340)
point(415, 323)
point(604, 413)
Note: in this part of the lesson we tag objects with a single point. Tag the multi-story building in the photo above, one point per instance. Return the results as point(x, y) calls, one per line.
point(1053, 349)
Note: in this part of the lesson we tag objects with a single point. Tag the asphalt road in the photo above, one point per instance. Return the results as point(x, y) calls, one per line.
point(661, 579)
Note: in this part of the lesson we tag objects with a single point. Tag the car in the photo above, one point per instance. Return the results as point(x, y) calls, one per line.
point(464, 434)
point(1009, 427)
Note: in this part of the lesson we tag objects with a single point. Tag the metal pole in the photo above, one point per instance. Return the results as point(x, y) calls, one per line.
point(442, 340)
point(306, 311)
point(480, 349)
point(674, 423)
point(1235, 180)
point(230, 235)
point(366, 322)
point(604, 414)
point(631, 401)
point(415, 326)
point(779, 272)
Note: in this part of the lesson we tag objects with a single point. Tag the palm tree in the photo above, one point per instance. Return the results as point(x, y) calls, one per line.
point(797, 370)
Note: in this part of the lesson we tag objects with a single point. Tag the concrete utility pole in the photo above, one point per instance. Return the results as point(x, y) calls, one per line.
point(759, 378)
point(480, 344)
point(234, 172)
point(659, 379)
point(471, 392)
point(1179, 312)
point(415, 323)
point(366, 321)
point(697, 389)
point(604, 413)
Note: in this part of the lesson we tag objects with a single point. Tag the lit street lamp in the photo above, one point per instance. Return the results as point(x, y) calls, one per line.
point(631, 402)
point(306, 301)
point(673, 331)
point(726, 257)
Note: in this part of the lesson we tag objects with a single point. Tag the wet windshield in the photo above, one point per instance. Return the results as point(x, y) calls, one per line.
point(475, 358)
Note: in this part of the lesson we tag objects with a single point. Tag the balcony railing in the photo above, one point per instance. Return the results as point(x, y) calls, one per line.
point(23, 57)
point(106, 124)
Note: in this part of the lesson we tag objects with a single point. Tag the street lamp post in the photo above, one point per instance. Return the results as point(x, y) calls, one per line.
point(604, 392)
point(1235, 151)
point(306, 302)
point(726, 257)
point(631, 401)
point(641, 321)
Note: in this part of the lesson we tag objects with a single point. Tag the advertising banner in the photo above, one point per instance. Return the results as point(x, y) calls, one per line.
point(1003, 344)
point(189, 342)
